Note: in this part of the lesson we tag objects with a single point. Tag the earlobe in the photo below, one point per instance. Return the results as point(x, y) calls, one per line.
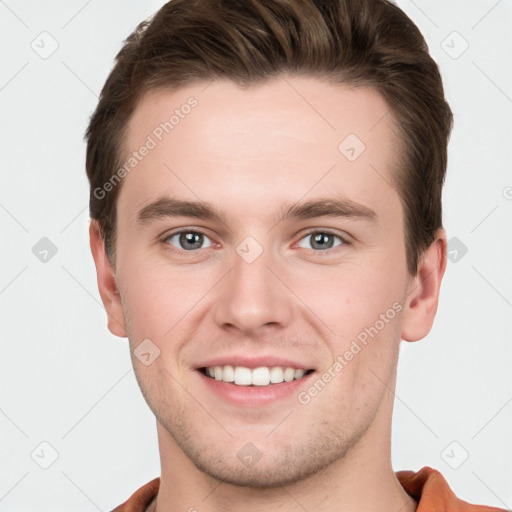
point(423, 293)
point(107, 284)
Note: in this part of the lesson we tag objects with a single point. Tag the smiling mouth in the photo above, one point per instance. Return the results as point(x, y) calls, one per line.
point(262, 376)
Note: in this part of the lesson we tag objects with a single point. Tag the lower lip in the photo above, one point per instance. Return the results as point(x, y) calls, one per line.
point(254, 396)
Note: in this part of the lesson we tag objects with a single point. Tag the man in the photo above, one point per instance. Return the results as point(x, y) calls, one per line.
point(266, 225)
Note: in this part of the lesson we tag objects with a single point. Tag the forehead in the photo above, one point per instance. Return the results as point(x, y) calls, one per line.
point(276, 141)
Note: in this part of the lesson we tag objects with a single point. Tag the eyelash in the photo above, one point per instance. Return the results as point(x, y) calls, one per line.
point(344, 240)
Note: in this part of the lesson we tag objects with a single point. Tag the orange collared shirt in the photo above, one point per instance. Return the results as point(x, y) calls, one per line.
point(428, 487)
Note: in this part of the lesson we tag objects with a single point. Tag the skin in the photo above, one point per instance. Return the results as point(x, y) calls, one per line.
point(249, 153)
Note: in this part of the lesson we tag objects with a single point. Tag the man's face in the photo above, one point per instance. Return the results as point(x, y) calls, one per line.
point(251, 287)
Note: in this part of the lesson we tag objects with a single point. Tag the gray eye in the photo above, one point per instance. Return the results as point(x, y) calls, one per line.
point(321, 240)
point(189, 240)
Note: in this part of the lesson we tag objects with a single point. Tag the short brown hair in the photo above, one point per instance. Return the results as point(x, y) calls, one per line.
point(355, 42)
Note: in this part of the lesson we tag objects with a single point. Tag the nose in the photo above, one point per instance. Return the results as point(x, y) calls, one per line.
point(252, 298)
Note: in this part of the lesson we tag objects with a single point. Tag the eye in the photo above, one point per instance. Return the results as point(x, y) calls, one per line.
point(321, 240)
point(188, 240)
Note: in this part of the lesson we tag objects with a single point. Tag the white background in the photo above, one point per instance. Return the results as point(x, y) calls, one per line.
point(66, 380)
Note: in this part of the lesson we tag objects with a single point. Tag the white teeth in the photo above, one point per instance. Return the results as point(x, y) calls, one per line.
point(243, 376)
point(228, 375)
point(289, 374)
point(276, 375)
point(262, 376)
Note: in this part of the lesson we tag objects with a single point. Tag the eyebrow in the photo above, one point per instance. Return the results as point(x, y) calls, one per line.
point(326, 207)
point(166, 207)
point(169, 207)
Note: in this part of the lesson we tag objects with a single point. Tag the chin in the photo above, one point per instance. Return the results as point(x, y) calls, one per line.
point(273, 467)
point(266, 476)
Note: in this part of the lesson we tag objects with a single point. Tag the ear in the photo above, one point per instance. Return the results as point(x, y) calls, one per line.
point(423, 291)
point(107, 282)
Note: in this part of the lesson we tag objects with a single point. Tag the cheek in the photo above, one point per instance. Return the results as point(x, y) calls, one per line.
point(158, 296)
point(350, 297)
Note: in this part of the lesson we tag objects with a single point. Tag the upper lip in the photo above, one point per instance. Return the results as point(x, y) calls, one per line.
point(254, 362)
